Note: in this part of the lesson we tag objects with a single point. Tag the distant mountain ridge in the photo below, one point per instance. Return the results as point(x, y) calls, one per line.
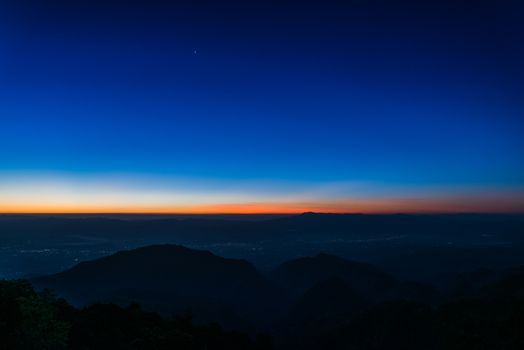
point(443, 241)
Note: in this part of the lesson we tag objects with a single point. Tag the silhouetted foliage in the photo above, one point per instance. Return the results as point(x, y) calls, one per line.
point(30, 320)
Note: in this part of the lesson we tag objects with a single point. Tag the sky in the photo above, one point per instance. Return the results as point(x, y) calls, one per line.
point(261, 106)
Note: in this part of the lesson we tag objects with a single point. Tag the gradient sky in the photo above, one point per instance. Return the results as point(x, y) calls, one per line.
point(261, 106)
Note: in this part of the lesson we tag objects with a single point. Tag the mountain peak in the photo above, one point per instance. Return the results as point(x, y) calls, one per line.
point(175, 271)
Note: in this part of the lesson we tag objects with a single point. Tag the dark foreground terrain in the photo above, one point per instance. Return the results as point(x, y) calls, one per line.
point(30, 320)
point(306, 303)
point(448, 282)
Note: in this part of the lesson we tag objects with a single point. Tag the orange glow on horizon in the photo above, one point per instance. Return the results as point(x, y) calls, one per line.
point(42, 193)
point(370, 206)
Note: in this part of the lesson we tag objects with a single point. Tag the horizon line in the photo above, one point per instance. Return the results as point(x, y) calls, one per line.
point(273, 213)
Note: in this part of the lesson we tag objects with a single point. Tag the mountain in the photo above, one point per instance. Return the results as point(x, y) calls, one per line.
point(427, 248)
point(168, 279)
point(306, 303)
point(329, 299)
point(371, 283)
point(509, 286)
point(299, 275)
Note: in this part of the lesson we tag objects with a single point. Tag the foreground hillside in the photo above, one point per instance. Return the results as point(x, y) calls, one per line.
point(31, 321)
point(314, 302)
point(491, 320)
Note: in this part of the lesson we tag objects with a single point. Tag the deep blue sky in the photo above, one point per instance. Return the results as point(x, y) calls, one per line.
point(415, 93)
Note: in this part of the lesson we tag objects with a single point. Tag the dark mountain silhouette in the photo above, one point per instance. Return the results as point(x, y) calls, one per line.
point(322, 301)
point(509, 286)
point(335, 303)
point(488, 283)
point(331, 291)
point(467, 283)
point(320, 309)
point(300, 274)
point(168, 278)
point(171, 279)
point(330, 299)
